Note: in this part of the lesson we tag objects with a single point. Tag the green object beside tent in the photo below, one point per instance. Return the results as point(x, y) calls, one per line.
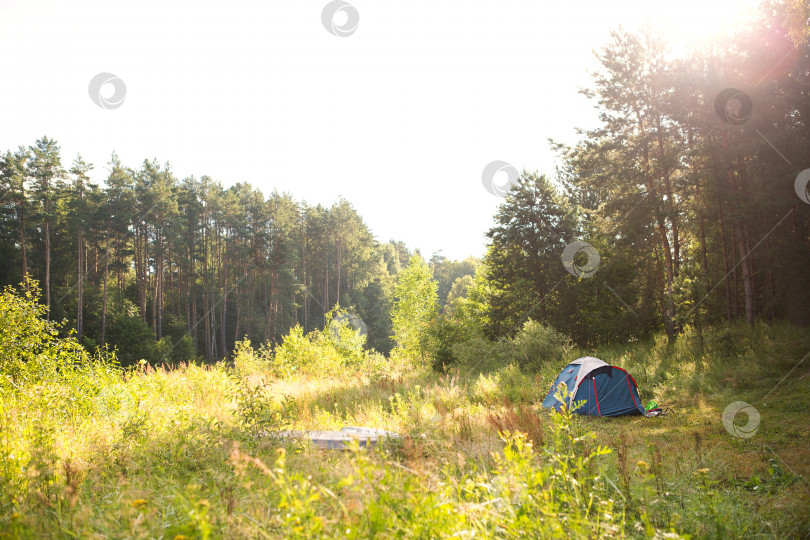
point(651, 405)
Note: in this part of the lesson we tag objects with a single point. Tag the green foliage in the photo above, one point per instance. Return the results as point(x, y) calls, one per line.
point(523, 262)
point(246, 361)
point(534, 346)
point(186, 452)
point(442, 335)
point(306, 354)
point(133, 340)
point(538, 344)
point(508, 384)
point(340, 346)
point(460, 326)
point(447, 273)
point(347, 332)
point(30, 349)
point(255, 410)
point(162, 254)
point(415, 305)
point(375, 307)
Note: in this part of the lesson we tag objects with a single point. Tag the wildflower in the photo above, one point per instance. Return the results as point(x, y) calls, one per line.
point(137, 503)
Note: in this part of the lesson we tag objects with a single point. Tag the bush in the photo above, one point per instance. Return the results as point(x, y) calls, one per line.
point(300, 353)
point(129, 335)
point(30, 349)
point(443, 335)
point(537, 344)
point(247, 361)
point(338, 348)
point(481, 354)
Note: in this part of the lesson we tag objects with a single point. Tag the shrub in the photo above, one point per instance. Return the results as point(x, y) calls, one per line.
point(481, 354)
point(30, 349)
point(129, 335)
point(534, 346)
point(247, 361)
point(338, 348)
point(310, 353)
point(537, 344)
point(443, 335)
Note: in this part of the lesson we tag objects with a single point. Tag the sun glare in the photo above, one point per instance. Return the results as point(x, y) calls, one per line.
point(692, 22)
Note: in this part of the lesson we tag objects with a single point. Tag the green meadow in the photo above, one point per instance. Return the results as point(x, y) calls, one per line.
point(91, 450)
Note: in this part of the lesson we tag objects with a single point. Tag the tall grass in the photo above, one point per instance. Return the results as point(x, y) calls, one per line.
point(88, 449)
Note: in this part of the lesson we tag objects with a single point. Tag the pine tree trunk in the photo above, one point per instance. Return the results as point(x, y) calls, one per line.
point(159, 296)
point(208, 354)
point(189, 275)
point(223, 318)
point(79, 286)
point(669, 311)
point(339, 264)
point(325, 292)
point(305, 275)
point(141, 255)
point(47, 265)
point(740, 237)
point(155, 284)
point(704, 259)
point(736, 288)
point(236, 335)
point(21, 218)
point(104, 293)
point(194, 316)
point(748, 280)
point(212, 317)
point(119, 276)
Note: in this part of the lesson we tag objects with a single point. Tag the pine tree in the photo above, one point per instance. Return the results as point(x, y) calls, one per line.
point(45, 168)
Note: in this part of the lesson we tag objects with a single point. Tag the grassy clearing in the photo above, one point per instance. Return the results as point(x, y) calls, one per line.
point(92, 451)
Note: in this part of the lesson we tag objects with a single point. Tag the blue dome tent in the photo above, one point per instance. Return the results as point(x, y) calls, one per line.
point(605, 390)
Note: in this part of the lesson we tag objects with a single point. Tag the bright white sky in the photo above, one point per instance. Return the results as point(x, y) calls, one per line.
point(400, 117)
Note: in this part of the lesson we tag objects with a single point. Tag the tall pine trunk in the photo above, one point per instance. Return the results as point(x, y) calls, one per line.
point(339, 264)
point(47, 263)
point(748, 279)
point(223, 346)
point(729, 314)
point(21, 218)
point(104, 293)
point(80, 285)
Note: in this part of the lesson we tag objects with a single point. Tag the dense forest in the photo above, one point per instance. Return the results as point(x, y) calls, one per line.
point(684, 201)
point(163, 268)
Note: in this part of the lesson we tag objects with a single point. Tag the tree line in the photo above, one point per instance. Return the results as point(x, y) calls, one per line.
point(682, 208)
point(165, 268)
point(686, 201)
